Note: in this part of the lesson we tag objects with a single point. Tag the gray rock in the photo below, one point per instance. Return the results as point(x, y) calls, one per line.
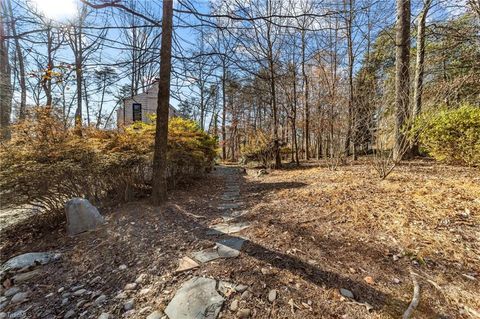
point(104, 315)
point(225, 228)
point(100, 299)
point(19, 314)
point(234, 305)
point(241, 288)
point(29, 260)
point(11, 291)
point(69, 314)
point(19, 297)
point(155, 315)
point(197, 298)
point(3, 315)
point(79, 292)
point(82, 216)
point(130, 286)
point(347, 293)
point(244, 313)
point(64, 301)
point(129, 304)
point(49, 295)
point(230, 248)
point(80, 303)
point(246, 294)
point(272, 295)
point(206, 255)
point(122, 267)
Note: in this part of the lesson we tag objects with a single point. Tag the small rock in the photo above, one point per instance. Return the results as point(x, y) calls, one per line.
point(122, 267)
point(121, 295)
point(79, 292)
point(129, 304)
point(246, 294)
point(3, 315)
point(352, 270)
point(272, 295)
point(396, 281)
point(19, 278)
point(69, 314)
point(369, 280)
point(19, 297)
point(141, 279)
point(144, 291)
point(241, 288)
point(50, 295)
point(100, 299)
point(60, 290)
point(265, 271)
point(155, 315)
point(11, 291)
point(234, 305)
point(129, 313)
point(244, 313)
point(346, 293)
point(104, 315)
point(64, 301)
point(95, 280)
point(81, 303)
point(19, 314)
point(130, 286)
point(144, 310)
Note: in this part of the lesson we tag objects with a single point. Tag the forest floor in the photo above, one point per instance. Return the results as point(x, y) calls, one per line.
point(312, 232)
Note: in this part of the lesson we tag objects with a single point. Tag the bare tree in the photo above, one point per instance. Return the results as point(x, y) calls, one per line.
point(5, 82)
point(159, 187)
point(419, 68)
point(402, 75)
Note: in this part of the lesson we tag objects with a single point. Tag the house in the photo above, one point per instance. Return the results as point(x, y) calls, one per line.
point(140, 107)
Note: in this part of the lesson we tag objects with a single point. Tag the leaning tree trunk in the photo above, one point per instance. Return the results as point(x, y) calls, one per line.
point(159, 187)
point(402, 76)
point(419, 70)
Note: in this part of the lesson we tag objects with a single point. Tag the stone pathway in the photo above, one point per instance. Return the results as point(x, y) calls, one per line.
point(199, 297)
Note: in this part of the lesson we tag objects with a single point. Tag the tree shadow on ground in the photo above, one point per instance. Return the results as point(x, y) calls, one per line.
point(311, 273)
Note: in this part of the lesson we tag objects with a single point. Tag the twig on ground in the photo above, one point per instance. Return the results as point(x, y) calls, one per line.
point(415, 298)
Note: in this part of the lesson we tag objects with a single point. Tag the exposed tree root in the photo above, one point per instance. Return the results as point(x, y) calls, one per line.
point(415, 298)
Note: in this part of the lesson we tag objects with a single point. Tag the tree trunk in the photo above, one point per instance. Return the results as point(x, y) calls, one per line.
point(21, 65)
point(419, 69)
point(5, 86)
point(402, 76)
point(305, 97)
point(79, 76)
point(159, 187)
point(224, 114)
point(350, 79)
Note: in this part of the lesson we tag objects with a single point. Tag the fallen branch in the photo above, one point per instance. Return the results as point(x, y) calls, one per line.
point(415, 298)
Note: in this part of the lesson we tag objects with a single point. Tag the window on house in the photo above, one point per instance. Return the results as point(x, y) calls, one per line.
point(137, 112)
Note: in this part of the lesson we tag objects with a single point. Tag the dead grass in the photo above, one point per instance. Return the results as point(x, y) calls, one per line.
point(313, 231)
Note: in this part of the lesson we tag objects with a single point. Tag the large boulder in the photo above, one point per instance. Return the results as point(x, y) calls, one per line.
point(82, 216)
